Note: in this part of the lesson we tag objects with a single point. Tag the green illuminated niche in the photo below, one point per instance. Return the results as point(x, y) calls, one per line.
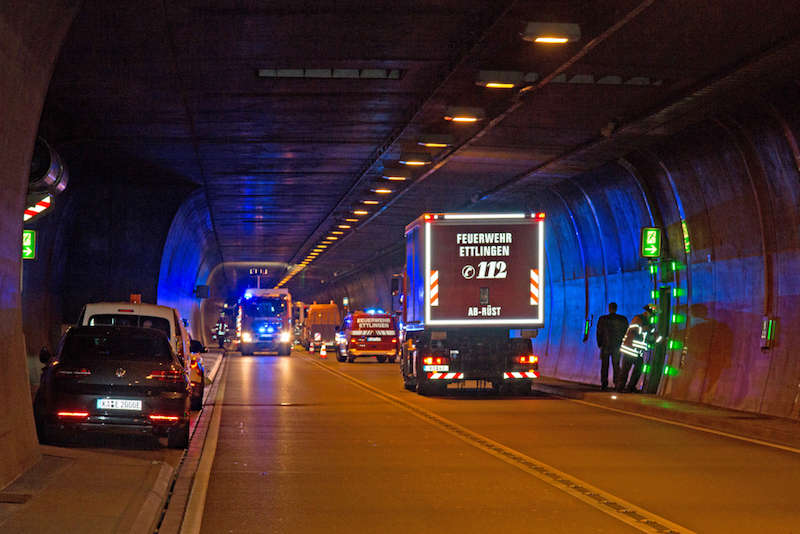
point(678, 318)
point(675, 344)
point(654, 294)
point(678, 292)
point(687, 245)
point(646, 368)
point(670, 371)
point(653, 268)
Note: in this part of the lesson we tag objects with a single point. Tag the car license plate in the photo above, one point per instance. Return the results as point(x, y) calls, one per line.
point(119, 404)
point(436, 368)
point(374, 339)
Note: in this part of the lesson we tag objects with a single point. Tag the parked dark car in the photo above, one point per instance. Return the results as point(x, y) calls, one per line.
point(114, 379)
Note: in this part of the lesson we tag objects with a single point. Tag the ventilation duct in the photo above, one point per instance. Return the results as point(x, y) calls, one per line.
point(48, 173)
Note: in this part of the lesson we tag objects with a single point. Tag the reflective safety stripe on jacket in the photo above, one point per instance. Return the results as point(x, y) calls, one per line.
point(635, 342)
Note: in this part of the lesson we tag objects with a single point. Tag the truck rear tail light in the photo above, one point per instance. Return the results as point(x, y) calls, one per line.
point(74, 372)
point(73, 415)
point(435, 360)
point(166, 375)
point(394, 340)
point(532, 359)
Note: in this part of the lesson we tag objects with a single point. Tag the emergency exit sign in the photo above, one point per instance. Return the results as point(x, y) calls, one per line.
point(29, 244)
point(651, 242)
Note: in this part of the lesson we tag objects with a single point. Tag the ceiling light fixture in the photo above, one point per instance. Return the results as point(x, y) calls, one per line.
point(435, 140)
point(382, 191)
point(360, 212)
point(332, 237)
point(499, 79)
point(370, 202)
point(463, 114)
point(415, 160)
point(396, 174)
point(337, 232)
point(351, 220)
point(345, 226)
point(552, 32)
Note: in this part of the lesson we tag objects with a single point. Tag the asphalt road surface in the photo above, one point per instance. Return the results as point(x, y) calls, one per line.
point(310, 445)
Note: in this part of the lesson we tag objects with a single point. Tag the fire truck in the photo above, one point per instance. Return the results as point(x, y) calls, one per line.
point(472, 299)
point(264, 321)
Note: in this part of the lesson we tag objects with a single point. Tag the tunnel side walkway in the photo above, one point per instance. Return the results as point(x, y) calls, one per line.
point(775, 430)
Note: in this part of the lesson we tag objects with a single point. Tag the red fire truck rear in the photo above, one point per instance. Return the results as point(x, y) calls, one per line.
point(371, 332)
point(472, 300)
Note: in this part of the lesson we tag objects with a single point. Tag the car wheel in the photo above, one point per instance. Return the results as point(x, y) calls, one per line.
point(178, 437)
point(350, 359)
point(381, 359)
point(340, 357)
point(197, 395)
point(392, 359)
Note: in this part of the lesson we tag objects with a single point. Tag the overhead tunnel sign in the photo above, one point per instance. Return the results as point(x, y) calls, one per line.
point(29, 244)
point(651, 242)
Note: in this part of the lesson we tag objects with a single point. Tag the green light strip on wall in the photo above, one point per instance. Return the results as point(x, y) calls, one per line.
point(687, 245)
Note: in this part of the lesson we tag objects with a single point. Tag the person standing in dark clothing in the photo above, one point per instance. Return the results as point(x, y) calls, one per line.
point(611, 330)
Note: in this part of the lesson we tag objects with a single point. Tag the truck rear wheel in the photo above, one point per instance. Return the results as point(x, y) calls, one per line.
point(392, 359)
point(381, 358)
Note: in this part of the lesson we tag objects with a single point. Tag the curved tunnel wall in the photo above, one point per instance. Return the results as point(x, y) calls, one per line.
point(30, 39)
point(190, 254)
point(735, 179)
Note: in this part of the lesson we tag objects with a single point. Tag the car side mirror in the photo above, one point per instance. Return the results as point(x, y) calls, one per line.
point(196, 346)
point(44, 355)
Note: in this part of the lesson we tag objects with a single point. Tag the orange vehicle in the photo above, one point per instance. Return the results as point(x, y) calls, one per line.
point(371, 332)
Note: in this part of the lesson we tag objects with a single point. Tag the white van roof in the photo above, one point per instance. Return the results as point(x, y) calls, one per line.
point(127, 307)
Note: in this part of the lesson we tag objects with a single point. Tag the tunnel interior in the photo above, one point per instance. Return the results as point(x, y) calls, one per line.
point(198, 149)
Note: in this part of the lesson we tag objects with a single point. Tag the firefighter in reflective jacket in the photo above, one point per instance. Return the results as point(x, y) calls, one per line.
point(636, 343)
point(220, 330)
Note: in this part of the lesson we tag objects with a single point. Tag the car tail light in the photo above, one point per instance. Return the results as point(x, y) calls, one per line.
point(73, 415)
point(74, 372)
point(164, 418)
point(435, 360)
point(394, 340)
point(532, 359)
point(166, 375)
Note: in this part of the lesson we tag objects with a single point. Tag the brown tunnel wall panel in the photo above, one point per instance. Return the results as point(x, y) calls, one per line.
point(735, 180)
point(30, 37)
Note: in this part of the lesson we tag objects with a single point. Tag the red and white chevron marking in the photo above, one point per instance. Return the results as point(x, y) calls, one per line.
point(434, 288)
point(534, 287)
point(520, 374)
point(37, 208)
point(445, 376)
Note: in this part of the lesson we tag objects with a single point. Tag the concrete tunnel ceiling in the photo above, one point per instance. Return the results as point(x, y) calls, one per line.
point(285, 114)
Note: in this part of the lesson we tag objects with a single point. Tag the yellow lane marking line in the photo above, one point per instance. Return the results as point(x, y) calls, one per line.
point(607, 503)
point(193, 517)
point(693, 427)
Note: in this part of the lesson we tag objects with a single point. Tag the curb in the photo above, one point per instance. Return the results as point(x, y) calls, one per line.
point(150, 512)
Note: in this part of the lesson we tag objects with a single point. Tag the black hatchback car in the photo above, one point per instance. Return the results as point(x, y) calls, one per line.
point(115, 379)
